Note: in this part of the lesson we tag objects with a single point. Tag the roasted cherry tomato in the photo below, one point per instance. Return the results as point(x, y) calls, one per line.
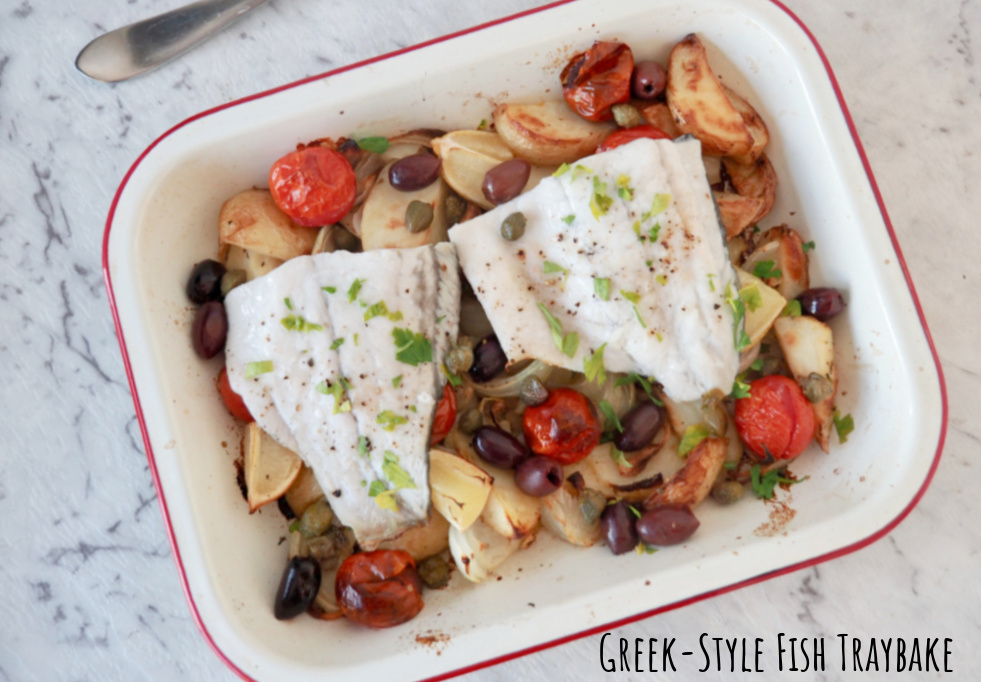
point(379, 589)
point(233, 401)
point(625, 135)
point(595, 80)
point(565, 427)
point(314, 186)
point(776, 418)
point(445, 415)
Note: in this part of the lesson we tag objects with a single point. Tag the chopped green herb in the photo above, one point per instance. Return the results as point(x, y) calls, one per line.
point(740, 389)
point(654, 232)
point(375, 310)
point(599, 203)
point(694, 435)
point(345, 383)
point(337, 343)
point(757, 364)
point(593, 366)
point(289, 304)
point(645, 549)
point(355, 288)
point(562, 170)
point(711, 279)
point(661, 279)
point(567, 343)
point(569, 218)
point(483, 124)
point(624, 191)
point(376, 144)
point(413, 409)
point(648, 263)
point(454, 379)
point(396, 316)
point(631, 296)
point(637, 230)
point(601, 287)
point(397, 381)
point(730, 466)
point(843, 425)
point(766, 269)
point(808, 246)
point(336, 391)
point(440, 319)
point(551, 268)
point(792, 309)
point(644, 324)
point(330, 290)
point(616, 454)
point(612, 421)
point(389, 420)
point(579, 170)
point(751, 296)
point(659, 204)
point(298, 323)
point(254, 369)
point(398, 476)
point(740, 337)
point(295, 526)
point(355, 339)
point(764, 484)
point(645, 384)
point(411, 348)
point(363, 446)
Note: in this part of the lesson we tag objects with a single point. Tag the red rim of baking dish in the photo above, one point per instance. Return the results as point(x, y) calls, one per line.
point(848, 549)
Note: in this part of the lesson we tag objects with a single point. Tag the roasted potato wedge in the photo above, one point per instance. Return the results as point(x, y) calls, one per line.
point(251, 263)
point(785, 249)
point(252, 221)
point(422, 541)
point(694, 481)
point(699, 103)
point(459, 489)
point(754, 179)
point(548, 133)
point(737, 212)
point(808, 348)
point(659, 115)
point(382, 224)
point(754, 123)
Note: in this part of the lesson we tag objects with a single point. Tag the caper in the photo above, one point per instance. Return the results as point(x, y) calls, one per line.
point(456, 207)
point(626, 115)
point(230, 280)
point(816, 387)
point(513, 226)
point(459, 359)
point(434, 571)
point(727, 492)
point(591, 505)
point(470, 421)
point(316, 519)
point(418, 216)
point(533, 391)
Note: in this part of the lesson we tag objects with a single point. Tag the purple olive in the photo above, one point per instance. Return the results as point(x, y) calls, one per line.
point(209, 329)
point(489, 360)
point(640, 425)
point(204, 283)
point(539, 476)
point(648, 80)
point(498, 447)
point(822, 303)
point(618, 524)
point(504, 182)
point(666, 524)
point(414, 172)
point(297, 588)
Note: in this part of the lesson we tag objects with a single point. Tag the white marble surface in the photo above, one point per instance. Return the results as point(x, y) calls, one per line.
point(88, 588)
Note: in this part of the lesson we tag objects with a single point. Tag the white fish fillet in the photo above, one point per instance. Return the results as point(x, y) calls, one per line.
point(336, 393)
point(666, 315)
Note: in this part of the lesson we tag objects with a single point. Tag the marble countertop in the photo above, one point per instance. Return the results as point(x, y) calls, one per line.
point(88, 587)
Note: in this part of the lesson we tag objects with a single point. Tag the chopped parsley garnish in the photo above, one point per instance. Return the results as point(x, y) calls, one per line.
point(551, 268)
point(694, 435)
point(396, 316)
point(711, 279)
point(757, 363)
point(740, 389)
point(454, 379)
point(616, 454)
point(355, 339)
point(764, 484)
point(389, 420)
point(637, 230)
point(808, 246)
point(601, 287)
point(254, 369)
point(397, 476)
point(561, 170)
point(792, 309)
point(643, 548)
point(631, 296)
point(593, 366)
point(645, 384)
point(295, 526)
point(612, 420)
point(336, 391)
point(337, 343)
point(661, 279)
point(375, 310)
point(740, 337)
point(397, 381)
point(376, 144)
point(766, 269)
point(655, 231)
point(330, 290)
point(567, 343)
point(354, 290)
point(624, 191)
point(579, 170)
point(298, 323)
point(363, 446)
point(569, 218)
point(483, 125)
point(658, 206)
point(289, 304)
point(411, 348)
point(751, 296)
point(644, 324)
point(843, 425)
point(599, 203)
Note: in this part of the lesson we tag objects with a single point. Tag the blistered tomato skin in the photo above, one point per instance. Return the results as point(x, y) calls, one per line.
point(445, 415)
point(233, 401)
point(565, 427)
point(379, 589)
point(314, 186)
point(776, 419)
point(595, 80)
point(621, 137)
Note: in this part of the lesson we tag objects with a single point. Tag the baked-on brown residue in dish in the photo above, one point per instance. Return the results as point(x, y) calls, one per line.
point(781, 514)
point(434, 640)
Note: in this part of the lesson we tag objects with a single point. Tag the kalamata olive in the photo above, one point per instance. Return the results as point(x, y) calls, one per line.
point(418, 216)
point(640, 425)
point(297, 588)
point(513, 227)
point(539, 476)
point(414, 172)
point(618, 524)
point(728, 492)
point(204, 284)
point(822, 303)
point(489, 359)
point(505, 181)
point(648, 80)
point(209, 330)
point(499, 447)
point(533, 391)
point(666, 524)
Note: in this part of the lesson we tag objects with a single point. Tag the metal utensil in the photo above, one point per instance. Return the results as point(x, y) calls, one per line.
point(137, 48)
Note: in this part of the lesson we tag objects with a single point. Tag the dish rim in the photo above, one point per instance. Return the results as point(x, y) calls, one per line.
point(841, 551)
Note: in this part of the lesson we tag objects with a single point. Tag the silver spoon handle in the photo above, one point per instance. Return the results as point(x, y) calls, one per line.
point(137, 48)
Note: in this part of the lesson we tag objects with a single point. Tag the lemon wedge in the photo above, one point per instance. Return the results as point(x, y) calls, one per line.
point(270, 469)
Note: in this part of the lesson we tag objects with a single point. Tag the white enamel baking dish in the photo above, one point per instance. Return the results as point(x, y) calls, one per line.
point(163, 220)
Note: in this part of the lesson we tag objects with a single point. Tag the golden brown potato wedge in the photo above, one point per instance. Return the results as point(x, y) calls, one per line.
point(754, 123)
point(755, 179)
point(808, 348)
point(659, 115)
point(784, 248)
point(694, 481)
point(382, 224)
point(253, 264)
point(699, 103)
point(251, 220)
point(422, 541)
point(548, 133)
point(737, 212)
